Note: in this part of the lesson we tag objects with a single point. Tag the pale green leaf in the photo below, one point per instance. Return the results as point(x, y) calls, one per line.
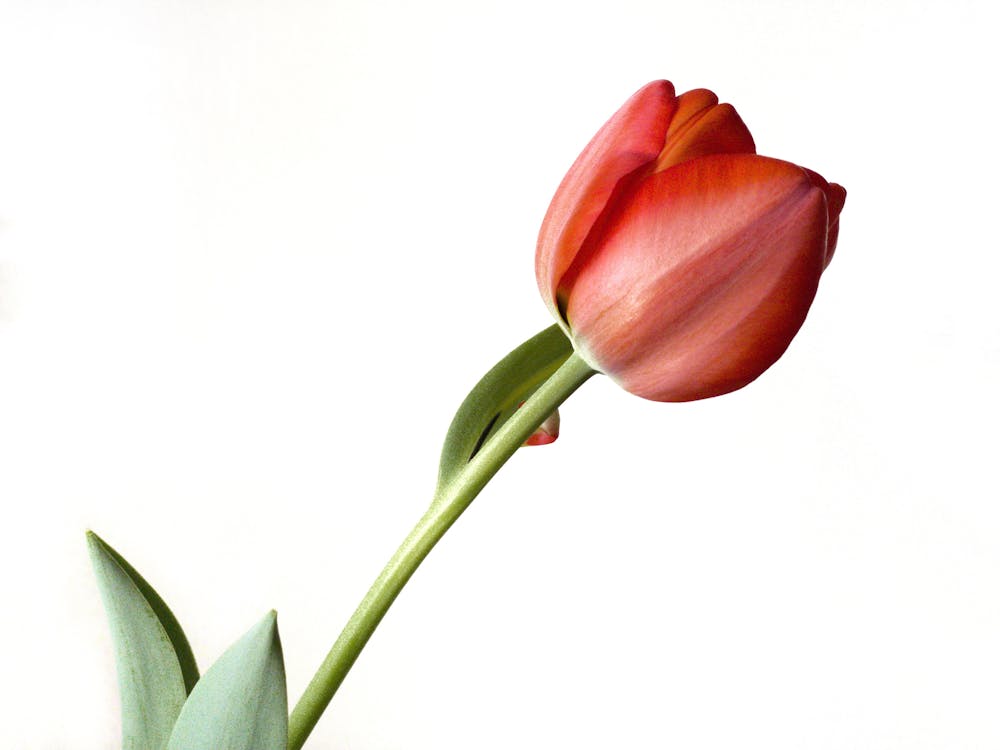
point(156, 668)
point(240, 703)
point(498, 395)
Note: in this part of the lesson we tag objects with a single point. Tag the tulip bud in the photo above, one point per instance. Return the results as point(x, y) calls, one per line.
point(680, 263)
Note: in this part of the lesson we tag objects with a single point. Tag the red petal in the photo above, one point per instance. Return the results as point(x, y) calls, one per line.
point(698, 283)
point(702, 126)
point(835, 200)
point(547, 432)
point(835, 197)
point(632, 137)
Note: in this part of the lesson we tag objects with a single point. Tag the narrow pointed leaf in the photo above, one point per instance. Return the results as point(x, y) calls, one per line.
point(240, 703)
point(498, 395)
point(156, 668)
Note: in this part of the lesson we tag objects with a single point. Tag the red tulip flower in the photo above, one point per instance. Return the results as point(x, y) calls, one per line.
point(680, 262)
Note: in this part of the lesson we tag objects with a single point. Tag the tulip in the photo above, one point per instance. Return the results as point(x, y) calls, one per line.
point(679, 262)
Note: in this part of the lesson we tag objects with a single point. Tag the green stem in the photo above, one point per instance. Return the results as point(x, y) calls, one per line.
point(446, 509)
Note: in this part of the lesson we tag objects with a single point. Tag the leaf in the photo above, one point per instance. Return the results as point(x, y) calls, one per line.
point(498, 395)
point(156, 668)
point(240, 703)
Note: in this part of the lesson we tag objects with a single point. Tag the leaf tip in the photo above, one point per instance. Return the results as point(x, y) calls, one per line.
point(98, 548)
point(266, 628)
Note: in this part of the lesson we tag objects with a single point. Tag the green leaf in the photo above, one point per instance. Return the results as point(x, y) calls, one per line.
point(156, 668)
point(498, 395)
point(240, 703)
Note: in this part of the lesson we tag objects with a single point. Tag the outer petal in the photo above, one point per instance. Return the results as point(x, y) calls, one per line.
point(700, 127)
point(835, 197)
point(631, 138)
point(835, 201)
point(700, 282)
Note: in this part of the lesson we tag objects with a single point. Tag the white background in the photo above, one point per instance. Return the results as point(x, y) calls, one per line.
point(253, 255)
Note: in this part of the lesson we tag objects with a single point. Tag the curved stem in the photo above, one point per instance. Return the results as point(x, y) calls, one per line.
point(446, 509)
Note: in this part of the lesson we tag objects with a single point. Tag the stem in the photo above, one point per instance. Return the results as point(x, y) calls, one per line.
point(446, 509)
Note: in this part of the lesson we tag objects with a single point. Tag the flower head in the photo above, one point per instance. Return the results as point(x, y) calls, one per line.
point(680, 262)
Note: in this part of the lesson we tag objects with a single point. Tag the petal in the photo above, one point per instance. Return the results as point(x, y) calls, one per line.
point(835, 197)
point(699, 283)
point(835, 203)
point(690, 106)
point(700, 127)
point(547, 432)
point(631, 138)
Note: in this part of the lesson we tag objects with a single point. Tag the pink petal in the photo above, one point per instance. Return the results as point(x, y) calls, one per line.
point(631, 138)
point(700, 281)
point(547, 431)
